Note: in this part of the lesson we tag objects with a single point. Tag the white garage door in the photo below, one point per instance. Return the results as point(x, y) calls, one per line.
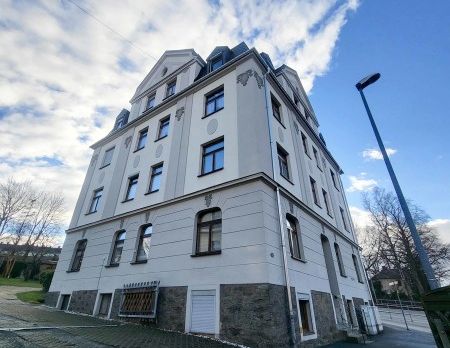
point(203, 311)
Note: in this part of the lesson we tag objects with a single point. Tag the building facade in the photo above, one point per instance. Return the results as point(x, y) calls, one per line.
point(210, 199)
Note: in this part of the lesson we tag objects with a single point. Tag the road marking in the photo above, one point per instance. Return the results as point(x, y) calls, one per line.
point(55, 327)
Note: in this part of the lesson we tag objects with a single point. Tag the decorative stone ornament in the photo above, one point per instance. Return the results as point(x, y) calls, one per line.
point(136, 161)
point(297, 130)
point(243, 78)
point(128, 141)
point(179, 113)
point(159, 151)
point(212, 126)
point(208, 199)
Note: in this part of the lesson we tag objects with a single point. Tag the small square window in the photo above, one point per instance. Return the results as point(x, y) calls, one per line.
point(163, 128)
point(107, 157)
point(142, 140)
point(132, 187)
point(155, 179)
point(213, 157)
point(170, 90)
point(216, 63)
point(151, 101)
point(214, 102)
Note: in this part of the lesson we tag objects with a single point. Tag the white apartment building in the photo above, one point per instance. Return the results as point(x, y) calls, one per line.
point(211, 199)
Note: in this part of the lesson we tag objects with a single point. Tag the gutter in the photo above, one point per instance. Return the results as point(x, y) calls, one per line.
point(280, 216)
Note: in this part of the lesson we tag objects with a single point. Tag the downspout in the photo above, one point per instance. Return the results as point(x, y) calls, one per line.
point(280, 216)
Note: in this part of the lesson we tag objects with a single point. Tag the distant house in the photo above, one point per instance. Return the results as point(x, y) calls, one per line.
point(386, 277)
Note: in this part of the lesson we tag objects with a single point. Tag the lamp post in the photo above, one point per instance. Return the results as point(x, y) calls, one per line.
point(423, 257)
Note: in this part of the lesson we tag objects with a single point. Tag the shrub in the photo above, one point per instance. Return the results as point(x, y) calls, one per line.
point(46, 279)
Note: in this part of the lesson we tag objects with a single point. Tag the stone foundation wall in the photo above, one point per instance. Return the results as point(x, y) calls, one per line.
point(115, 304)
point(51, 298)
point(254, 314)
point(171, 310)
point(83, 301)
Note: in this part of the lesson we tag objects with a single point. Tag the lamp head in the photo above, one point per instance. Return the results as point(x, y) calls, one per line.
point(368, 80)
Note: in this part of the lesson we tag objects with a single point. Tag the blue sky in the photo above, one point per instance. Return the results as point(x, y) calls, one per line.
point(73, 76)
point(409, 44)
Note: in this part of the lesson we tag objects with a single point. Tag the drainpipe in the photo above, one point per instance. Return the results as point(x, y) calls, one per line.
point(280, 215)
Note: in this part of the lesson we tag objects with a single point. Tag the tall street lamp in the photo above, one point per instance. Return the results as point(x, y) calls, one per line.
point(424, 261)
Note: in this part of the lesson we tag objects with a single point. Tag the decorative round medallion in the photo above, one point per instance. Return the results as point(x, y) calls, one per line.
point(136, 161)
point(101, 177)
point(159, 151)
point(212, 126)
point(280, 134)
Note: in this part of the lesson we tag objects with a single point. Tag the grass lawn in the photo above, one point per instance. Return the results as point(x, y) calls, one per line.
point(20, 282)
point(35, 297)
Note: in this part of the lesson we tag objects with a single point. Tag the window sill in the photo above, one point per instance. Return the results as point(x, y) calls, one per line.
point(213, 171)
point(90, 213)
point(297, 259)
point(307, 154)
point(150, 192)
point(168, 96)
point(138, 262)
point(112, 265)
point(73, 271)
point(207, 253)
point(127, 200)
point(212, 113)
point(318, 205)
point(343, 276)
point(360, 282)
point(287, 179)
point(139, 149)
point(104, 166)
point(320, 169)
point(161, 138)
point(279, 121)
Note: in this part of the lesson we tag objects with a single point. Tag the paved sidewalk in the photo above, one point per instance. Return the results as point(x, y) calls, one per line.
point(29, 326)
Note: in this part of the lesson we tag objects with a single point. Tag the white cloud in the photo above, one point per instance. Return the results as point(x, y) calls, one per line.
point(62, 82)
point(360, 217)
point(374, 154)
point(442, 226)
point(361, 183)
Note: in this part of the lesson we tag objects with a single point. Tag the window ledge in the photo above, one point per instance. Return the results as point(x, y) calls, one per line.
point(307, 154)
point(168, 96)
point(213, 171)
point(73, 271)
point(139, 149)
point(138, 262)
point(207, 253)
point(112, 265)
point(212, 113)
point(297, 259)
point(104, 166)
point(150, 192)
point(279, 121)
point(320, 169)
point(331, 216)
point(287, 179)
point(318, 205)
point(343, 276)
point(91, 212)
point(127, 200)
point(161, 138)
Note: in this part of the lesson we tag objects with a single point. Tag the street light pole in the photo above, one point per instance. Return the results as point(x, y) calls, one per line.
point(423, 257)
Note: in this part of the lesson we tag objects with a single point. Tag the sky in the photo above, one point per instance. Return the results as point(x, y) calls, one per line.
point(68, 67)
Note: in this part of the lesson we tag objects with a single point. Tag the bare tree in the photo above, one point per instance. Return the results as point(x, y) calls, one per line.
point(389, 243)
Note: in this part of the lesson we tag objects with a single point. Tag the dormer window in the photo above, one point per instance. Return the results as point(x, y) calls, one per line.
point(121, 121)
point(170, 90)
point(216, 63)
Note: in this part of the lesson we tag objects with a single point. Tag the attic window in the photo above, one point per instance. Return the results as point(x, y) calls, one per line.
point(164, 71)
point(216, 63)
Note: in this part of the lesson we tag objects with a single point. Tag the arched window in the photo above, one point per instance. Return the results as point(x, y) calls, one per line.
point(118, 247)
point(295, 242)
point(209, 231)
point(145, 238)
point(80, 247)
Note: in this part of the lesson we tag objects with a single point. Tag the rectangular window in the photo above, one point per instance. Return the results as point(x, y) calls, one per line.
point(155, 179)
point(357, 269)
point(337, 251)
point(214, 102)
point(105, 300)
point(344, 221)
point(327, 203)
point(213, 157)
point(216, 63)
point(96, 200)
point(145, 238)
point(132, 186)
point(276, 108)
point(78, 256)
point(333, 178)
point(305, 144)
point(314, 191)
point(107, 157)
point(295, 242)
point(283, 163)
point(163, 128)
point(151, 101)
point(142, 140)
point(170, 90)
point(316, 157)
point(305, 317)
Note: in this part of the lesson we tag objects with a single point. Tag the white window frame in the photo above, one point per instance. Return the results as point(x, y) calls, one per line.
point(306, 296)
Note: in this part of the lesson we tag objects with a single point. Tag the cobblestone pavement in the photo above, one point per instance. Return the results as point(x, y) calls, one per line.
point(24, 325)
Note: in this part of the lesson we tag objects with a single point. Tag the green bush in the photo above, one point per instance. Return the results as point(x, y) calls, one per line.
point(46, 279)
